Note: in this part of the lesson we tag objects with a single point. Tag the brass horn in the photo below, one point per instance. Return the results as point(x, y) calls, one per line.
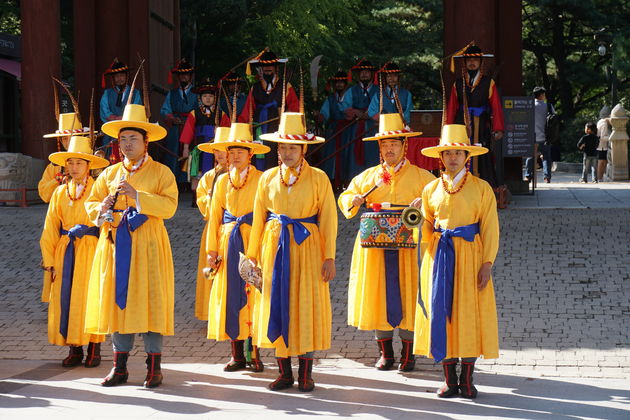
point(411, 217)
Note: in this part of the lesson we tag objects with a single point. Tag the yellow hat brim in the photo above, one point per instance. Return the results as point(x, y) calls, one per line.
point(393, 136)
point(277, 139)
point(60, 158)
point(154, 131)
point(207, 147)
point(435, 151)
point(257, 148)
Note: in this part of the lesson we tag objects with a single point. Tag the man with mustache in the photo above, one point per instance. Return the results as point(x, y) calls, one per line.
point(179, 102)
point(384, 282)
point(338, 125)
point(365, 154)
point(477, 92)
point(113, 101)
point(265, 101)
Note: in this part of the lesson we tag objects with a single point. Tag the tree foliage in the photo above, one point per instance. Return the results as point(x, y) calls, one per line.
point(561, 54)
point(224, 34)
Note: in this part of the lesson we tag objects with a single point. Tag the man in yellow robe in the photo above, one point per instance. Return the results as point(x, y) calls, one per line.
point(131, 288)
point(232, 301)
point(205, 191)
point(293, 236)
point(456, 316)
point(53, 176)
point(384, 282)
point(68, 243)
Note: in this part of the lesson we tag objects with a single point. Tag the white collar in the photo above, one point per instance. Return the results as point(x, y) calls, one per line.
point(457, 178)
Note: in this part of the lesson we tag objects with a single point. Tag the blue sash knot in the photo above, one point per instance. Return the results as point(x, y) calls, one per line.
point(77, 231)
point(130, 221)
point(443, 282)
point(236, 297)
point(279, 310)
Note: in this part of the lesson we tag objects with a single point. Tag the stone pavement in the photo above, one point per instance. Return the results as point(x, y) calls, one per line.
point(561, 280)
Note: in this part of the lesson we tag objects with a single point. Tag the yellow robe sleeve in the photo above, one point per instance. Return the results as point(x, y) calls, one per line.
point(217, 204)
point(163, 203)
point(327, 218)
point(489, 224)
point(97, 195)
point(48, 183)
point(260, 217)
point(48, 242)
point(345, 198)
point(203, 193)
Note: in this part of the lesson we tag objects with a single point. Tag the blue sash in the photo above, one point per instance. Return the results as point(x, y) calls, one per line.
point(264, 114)
point(443, 274)
point(477, 111)
point(236, 297)
point(130, 221)
point(77, 231)
point(279, 310)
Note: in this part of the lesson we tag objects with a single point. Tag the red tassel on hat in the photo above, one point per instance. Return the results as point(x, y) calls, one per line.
point(350, 75)
point(103, 80)
point(170, 77)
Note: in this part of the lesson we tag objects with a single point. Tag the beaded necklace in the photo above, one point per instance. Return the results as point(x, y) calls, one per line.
point(135, 168)
point(242, 183)
point(76, 186)
point(297, 178)
point(456, 190)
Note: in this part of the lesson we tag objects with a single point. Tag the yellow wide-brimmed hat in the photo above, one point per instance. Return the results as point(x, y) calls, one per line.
point(391, 126)
point(135, 116)
point(69, 125)
point(454, 137)
point(221, 135)
point(292, 130)
point(79, 147)
point(241, 136)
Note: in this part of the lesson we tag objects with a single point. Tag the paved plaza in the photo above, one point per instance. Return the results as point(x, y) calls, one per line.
point(561, 281)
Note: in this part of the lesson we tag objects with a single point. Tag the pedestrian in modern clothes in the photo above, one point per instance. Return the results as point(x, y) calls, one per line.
point(588, 145)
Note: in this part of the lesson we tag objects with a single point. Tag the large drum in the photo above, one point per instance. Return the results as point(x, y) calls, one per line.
point(385, 230)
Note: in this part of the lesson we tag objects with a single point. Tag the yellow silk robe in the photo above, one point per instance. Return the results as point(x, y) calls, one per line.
point(48, 183)
point(310, 313)
point(473, 329)
point(150, 297)
point(204, 198)
point(238, 203)
point(65, 213)
point(367, 307)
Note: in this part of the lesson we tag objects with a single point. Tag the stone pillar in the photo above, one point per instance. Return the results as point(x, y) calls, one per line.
point(618, 140)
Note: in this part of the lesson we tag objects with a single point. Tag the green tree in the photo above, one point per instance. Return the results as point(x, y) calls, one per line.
point(560, 53)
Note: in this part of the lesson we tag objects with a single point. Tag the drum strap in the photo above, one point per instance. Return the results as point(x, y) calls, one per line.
point(392, 287)
point(443, 284)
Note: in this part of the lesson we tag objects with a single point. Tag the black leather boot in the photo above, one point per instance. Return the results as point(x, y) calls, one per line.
point(154, 370)
point(466, 387)
point(118, 375)
point(75, 357)
point(256, 365)
point(407, 358)
point(285, 380)
point(305, 380)
point(93, 358)
point(237, 362)
point(386, 362)
point(449, 388)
